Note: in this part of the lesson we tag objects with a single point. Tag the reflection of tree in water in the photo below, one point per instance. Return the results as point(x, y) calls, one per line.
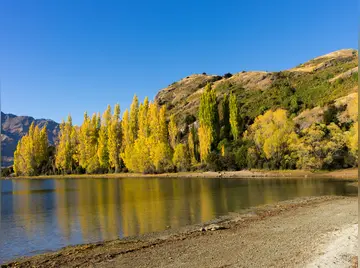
point(62, 208)
point(106, 209)
point(97, 203)
point(22, 205)
point(30, 199)
point(89, 210)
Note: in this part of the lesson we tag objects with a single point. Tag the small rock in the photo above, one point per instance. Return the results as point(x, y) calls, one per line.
point(213, 227)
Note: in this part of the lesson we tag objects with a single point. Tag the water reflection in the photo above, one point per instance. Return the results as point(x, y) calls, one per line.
point(41, 215)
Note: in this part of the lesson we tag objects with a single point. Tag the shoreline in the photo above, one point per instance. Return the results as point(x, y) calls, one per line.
point(126, 252)
point(347, 174)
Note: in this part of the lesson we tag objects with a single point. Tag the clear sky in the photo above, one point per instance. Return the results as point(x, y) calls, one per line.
point(71, 56)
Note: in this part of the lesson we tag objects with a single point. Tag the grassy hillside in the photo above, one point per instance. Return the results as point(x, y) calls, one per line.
point(314, 84)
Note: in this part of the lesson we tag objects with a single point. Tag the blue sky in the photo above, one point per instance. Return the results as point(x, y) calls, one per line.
point(71, 56)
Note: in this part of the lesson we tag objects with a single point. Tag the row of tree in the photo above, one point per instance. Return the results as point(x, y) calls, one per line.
point(146, 140)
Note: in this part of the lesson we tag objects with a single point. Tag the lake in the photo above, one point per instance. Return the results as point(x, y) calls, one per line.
point(41, 215)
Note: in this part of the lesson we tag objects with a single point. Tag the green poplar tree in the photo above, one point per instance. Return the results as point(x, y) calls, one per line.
point(226, 128)
point(234, 117)
point(208, 122)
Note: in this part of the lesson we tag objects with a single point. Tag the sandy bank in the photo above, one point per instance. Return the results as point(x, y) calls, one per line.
point(293, 233)
point(340, 248)
point(338, 174)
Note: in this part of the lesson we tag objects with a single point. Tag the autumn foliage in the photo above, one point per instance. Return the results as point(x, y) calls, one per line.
point(148, 140)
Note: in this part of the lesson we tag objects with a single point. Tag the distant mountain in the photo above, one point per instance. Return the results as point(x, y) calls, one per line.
point(14, 127)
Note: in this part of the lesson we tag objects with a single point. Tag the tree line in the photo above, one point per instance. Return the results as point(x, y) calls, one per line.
point(146, 140)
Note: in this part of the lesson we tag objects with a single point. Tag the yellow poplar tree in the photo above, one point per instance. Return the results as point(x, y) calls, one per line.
point(160, 153)
point(172, 131)
point(19, 160)
point(92, 144)
point(83, 138)
point(141, 157)
point(114, 142)
point(103, 151)
point(204, 141)
point(42, 145)
point(136, 154)
point(126, 140)
point(31, 152)
point(65, 149)
point(133, 120)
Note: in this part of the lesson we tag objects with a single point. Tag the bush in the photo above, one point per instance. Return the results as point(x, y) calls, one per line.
point(229, 162)
point(330, 115)
point(227, 75)
point(241, 157)
point(7, 171)
point(214, 162)
point(189, 119)
point(355, 76)
point(199, 167)
point(263, 109)
point(80, 170)
point(339, 81)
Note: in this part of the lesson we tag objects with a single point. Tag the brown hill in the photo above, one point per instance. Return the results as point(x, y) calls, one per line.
point(316, 83)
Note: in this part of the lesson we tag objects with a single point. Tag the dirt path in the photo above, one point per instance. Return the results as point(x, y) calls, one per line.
point(309, 232)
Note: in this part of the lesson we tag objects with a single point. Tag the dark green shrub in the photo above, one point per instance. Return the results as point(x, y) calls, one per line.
point(229, 162)
point(355, 76)
point(330, 115)
point(6, 171)
point(80, 170)
point(189, 119)
point(339, 81)
point(227, 75)
point(241, 157)
point(214, 162)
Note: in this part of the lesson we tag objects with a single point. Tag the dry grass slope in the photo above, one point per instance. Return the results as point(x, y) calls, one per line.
point(314, 84)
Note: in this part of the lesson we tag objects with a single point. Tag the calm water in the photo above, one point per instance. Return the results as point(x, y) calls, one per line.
point(42, 215)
